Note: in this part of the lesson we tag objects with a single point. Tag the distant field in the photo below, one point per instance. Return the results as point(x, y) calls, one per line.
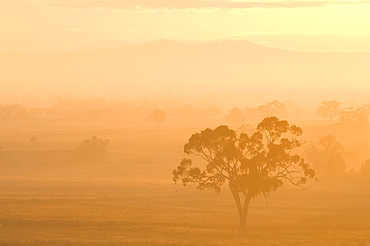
point(46, 201)
point(144, 141)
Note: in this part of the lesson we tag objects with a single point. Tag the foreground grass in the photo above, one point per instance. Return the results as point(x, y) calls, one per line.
point(133, 212)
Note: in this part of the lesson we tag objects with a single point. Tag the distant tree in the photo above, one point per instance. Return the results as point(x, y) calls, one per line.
point(158, 116)
point(250, 165)
point(274, 108)
point(91, 151)
point(329, 110)
point(236, 116)
point(327, 157)
point(356, 117)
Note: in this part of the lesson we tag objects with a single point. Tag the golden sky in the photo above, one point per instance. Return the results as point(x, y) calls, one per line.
point(34, 26)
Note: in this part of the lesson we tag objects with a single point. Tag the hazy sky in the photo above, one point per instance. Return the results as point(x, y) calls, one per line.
point(34, 26)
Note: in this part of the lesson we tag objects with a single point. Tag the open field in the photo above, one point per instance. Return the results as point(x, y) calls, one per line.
point(133, 201)
point(94, 209)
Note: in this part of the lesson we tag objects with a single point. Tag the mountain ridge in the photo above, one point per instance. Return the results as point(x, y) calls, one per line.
point(165, 64)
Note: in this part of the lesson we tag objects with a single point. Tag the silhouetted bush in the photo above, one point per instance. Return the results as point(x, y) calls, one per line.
point(91, 151)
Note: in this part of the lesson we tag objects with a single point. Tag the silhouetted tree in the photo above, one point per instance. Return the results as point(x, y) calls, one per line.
point(329, 110)
point(236, 116)
point(327, 157)
point(249, 164)
point(158, 116)
point(275, 108)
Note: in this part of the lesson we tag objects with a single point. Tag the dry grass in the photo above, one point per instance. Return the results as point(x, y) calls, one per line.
point(134, 201)
point(97, 210)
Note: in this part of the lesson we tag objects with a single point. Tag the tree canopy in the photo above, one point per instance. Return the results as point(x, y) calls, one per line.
point(329, 110)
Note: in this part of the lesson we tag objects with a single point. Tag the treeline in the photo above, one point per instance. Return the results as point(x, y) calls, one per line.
point(332, 111)
point(99, 108)
point(96, 108)
point(349, 116)
point(250, 115)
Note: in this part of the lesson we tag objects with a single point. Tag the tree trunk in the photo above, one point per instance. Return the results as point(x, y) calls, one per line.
point(242, 210)
point(243, 216)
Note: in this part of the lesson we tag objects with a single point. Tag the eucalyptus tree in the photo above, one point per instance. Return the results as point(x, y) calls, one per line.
point(329, 110)
point(250, 165)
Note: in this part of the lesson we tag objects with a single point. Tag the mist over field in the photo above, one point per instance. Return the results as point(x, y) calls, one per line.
point(184, 123)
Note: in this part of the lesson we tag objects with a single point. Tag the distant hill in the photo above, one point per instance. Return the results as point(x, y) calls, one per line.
point(172, 65)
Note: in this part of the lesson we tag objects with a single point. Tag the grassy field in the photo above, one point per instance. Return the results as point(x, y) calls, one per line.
point(45, 201)
point(110, 205)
